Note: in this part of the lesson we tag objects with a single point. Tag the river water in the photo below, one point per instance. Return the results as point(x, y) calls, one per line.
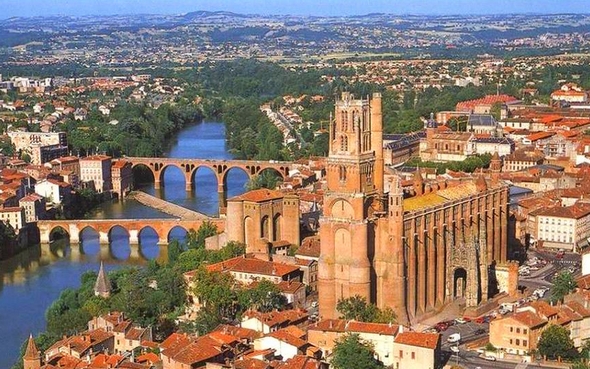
point(30, 281)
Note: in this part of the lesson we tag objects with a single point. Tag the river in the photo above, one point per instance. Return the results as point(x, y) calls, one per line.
point(30, 281)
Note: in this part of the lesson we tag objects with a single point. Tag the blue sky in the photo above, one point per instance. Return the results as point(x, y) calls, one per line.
point(10, 8)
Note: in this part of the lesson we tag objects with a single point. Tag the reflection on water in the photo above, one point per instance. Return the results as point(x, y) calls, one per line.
point(30, 281)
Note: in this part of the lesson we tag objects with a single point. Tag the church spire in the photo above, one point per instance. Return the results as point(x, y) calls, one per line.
point(31, 352)
point(32, 356)
point(102, 287)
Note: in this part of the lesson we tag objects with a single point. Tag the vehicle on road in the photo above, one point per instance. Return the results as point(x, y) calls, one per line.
point(455, 349)
point(460, 320)
point(314, 304)
point(490, 358)
point(560, 254)
point(479, 331)
point(454, 338)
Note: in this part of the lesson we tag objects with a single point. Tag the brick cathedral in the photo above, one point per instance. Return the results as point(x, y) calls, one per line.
point(414, 248)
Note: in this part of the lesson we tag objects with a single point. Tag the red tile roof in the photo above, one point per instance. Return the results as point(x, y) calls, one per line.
point(260, 195)
point(427, 340)
point(242, 264)
point(341, 325)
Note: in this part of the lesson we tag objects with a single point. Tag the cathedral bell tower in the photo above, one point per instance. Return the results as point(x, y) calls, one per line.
point(355, 185)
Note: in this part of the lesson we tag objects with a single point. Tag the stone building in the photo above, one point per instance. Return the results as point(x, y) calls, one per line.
point(261, 218)
point(122, 177)
point(413, 251)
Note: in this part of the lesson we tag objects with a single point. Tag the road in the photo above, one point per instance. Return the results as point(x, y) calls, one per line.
point(471, 360)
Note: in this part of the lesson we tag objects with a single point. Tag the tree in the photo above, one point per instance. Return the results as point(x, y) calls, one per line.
point(350, 352)
point(196, 240)
point(267, 179)
point(563, 284)
point(357, 308)
point(555, 342)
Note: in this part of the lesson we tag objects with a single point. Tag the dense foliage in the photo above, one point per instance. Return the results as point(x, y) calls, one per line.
point(359, 309)
point(131, 129)
point(563, 284)
point(351, 352)
point(555, 342)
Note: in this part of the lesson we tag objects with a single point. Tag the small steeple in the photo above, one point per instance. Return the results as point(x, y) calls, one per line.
point(32, 356)
point(102, 287)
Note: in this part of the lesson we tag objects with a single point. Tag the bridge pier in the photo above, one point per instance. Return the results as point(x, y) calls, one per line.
point(44, 237)
point(135, 252)
point(105, 252)
point(157, 184)
point(162, 241)
point(103, 238)
point(133, 237)
point(222, 198)
point(163, 255)
point(189, 186)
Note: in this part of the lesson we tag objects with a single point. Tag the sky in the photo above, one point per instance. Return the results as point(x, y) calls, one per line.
point(27, 8)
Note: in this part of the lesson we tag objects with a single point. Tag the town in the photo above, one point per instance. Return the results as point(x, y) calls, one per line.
point(399, 212)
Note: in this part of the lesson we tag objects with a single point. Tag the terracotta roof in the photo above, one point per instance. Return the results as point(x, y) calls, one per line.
point(288, 338)
point(300, 362)
point(575, 211)
point(310, 247)
point(341, 325)
point(242, 264)
point(262, 194)
point(528, 318)
point(427, 340)
point(250, 364)
point(96, 157)
point(239, 332)
point(277, 318)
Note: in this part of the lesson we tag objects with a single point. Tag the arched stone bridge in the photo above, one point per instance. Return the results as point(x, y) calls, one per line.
point(219, 167)
point(133, 227)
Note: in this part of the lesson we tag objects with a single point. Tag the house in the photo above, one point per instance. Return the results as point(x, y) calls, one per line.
point(127, 335)
point(15, 216)
point(415, 350)
point(96, 172)
point(79, 346)
point(326, 332)
point(34, 206)
point(274, 320)
point(182, 352)
point(54, 191)
point(564, 227)
point(246, 269)
point(286, 345)
point(522, 159)
point(122, 177)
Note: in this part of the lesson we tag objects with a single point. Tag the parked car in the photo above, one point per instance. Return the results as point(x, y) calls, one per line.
point(480, 331)
point(560, 254)
point(460, 321)
point(490, 358)
point(454, 338)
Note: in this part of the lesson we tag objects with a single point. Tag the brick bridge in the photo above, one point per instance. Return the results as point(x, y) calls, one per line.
point(133, 227)
point(219, 167)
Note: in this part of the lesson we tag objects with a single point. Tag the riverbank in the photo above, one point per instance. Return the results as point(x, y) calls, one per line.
point(165, 206)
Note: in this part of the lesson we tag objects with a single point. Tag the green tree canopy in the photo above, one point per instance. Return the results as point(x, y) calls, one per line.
point(357, 308)
point(563, 284)
point(352, 353)
point(555, 342)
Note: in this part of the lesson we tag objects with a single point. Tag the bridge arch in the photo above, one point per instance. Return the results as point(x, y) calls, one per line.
point(204, 174)
point(58, 232)
point(170, 236)
point(117, 227)
point(164, 169)
point(140, 172)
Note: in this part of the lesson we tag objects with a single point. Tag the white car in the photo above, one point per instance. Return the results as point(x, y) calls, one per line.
point(454, 338)
point(490, 358)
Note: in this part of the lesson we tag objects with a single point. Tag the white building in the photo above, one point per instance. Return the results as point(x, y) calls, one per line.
point(414, 350)
point(565, 227)
point(97, 170)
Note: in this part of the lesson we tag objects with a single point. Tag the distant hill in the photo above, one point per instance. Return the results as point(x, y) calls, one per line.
point(200, 14)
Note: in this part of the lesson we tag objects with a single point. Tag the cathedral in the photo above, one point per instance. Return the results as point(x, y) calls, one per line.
point(413, 248)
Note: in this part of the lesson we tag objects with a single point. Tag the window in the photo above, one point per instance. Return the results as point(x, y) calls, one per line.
point(511, 341)
point(517, 342)
point(401, 354)
point(524, 343)
point(511, 329)
point(413, 355)
point(517, 330)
